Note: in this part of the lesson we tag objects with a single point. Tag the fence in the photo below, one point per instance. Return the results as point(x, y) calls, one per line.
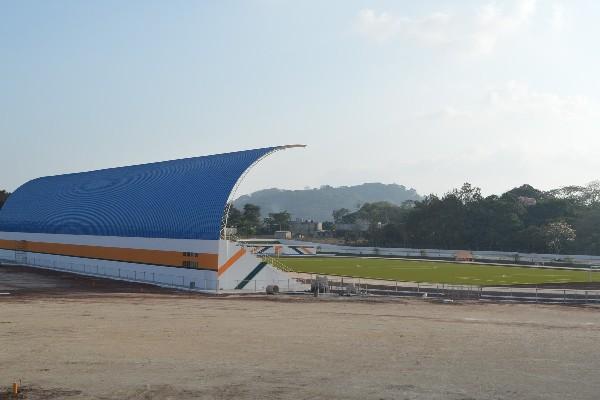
point(165, 280)
point(529, 294)
point(259, 286)
point(275, 262)
point(343, 286)
point(174, 281)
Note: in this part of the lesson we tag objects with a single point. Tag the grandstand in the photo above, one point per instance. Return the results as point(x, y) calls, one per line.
point(161, 222)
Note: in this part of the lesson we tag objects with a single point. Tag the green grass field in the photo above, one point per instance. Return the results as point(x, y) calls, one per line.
point(434, 271)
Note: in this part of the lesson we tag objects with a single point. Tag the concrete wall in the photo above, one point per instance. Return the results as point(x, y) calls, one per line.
point(499, 256)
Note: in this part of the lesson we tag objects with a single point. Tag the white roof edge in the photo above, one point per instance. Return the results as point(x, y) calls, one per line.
point(289, 146)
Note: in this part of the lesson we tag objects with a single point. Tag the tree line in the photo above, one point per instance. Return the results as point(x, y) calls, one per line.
point(524, 219)
point(248, 221)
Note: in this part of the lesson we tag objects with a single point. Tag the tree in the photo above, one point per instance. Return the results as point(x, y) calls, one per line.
point(493, 223)
point(558, 233)
point(588, 195)
point(250, 219)
point(235, 217)
point(532, 239)
point(464, 219)
point(547, 210)
point(526, 191)
point(380, 212)
point(328, 226)
point(587, 224)
point(592, 193)
point(338, 215)
point(3, 197)
point(278, 221)
point(467, 193)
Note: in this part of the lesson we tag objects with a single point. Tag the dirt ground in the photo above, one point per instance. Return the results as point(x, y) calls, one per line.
point(131, 345)
point(27, 281)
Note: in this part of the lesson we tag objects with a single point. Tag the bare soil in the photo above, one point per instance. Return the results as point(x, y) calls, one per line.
point(106, 344)
point(17, 280)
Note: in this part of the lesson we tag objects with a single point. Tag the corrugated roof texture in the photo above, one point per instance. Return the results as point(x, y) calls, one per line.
point(179, 199)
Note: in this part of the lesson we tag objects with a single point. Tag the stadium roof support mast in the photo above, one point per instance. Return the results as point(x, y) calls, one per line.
point(239, 182)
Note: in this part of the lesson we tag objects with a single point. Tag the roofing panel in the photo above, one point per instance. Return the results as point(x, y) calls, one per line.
point(178, 199)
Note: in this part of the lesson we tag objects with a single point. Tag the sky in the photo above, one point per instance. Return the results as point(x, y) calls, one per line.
point(425, 94)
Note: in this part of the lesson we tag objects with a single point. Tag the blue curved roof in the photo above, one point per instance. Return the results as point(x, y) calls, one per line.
point(179, 199)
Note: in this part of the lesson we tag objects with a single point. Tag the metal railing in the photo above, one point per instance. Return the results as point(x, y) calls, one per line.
point(174, 281)
point(339, 285)
point(290, 285)
point(522, 294)
point(154, 278)
point(275, 262)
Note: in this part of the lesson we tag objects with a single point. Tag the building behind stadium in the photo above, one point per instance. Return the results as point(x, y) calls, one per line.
point(162, 222)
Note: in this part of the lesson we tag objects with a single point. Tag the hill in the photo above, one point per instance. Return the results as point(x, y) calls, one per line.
point(318, 204)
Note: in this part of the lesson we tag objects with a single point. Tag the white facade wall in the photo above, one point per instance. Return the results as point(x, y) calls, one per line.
point(499, 256)
point(153, 274)
point(183, 278)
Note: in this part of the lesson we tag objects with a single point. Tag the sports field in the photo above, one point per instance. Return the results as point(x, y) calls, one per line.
point(435, 271)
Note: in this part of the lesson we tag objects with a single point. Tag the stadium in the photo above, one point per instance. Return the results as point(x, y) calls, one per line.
point(162, 222)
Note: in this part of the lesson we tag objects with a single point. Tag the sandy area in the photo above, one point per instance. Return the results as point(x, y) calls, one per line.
point(163, 346)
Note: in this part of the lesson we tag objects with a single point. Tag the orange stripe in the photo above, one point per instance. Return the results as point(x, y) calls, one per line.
point(144, 256)
point(231, 261)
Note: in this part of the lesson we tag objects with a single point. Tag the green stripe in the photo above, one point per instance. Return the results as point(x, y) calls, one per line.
point(251, 275)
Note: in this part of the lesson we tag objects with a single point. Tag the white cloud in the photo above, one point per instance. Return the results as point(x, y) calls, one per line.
point(509, 134)
point(432, 29)
point(492, 24)
point(447, 112)
point(558, 20)
point(517, 97)
point(474, 33)
point(378, 27)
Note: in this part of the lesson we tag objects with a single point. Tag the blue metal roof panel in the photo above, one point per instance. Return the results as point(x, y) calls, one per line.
point(179, 199)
